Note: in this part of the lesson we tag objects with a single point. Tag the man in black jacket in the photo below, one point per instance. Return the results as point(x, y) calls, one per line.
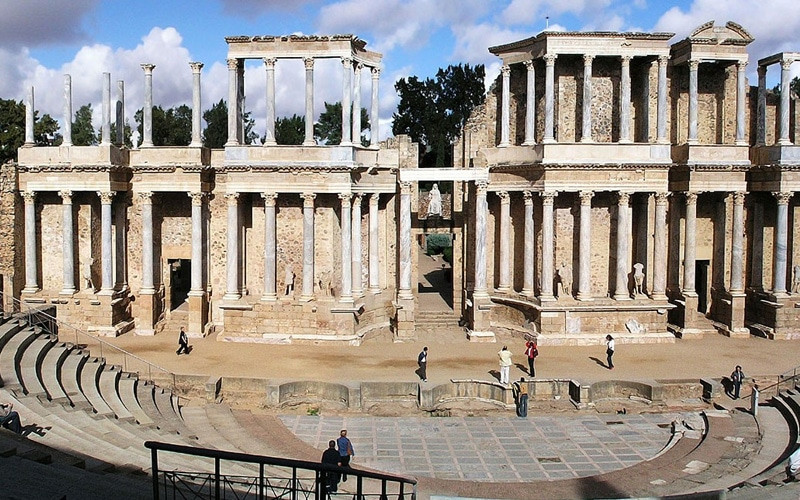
point(331, 457)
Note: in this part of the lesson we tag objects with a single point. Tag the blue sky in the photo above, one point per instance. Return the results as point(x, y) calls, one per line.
point(40, 40)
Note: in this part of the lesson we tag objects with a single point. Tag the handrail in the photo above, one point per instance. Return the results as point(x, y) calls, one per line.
point(783, 378)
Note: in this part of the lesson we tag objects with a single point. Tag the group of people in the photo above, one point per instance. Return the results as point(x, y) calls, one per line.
point(338, 453)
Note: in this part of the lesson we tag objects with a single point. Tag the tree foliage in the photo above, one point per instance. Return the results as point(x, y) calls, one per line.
point(215, 135)
point(83, 133)
point(12, 129)
point(171, 127)
point(433, 111)
point(290, 130)
point(328, 129)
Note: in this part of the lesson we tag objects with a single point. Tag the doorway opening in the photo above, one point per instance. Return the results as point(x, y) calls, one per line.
point(435, 266)
point(180, 281)
point(701, 284)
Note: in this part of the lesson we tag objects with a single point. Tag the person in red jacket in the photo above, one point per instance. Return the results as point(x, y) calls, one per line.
point(531, 351)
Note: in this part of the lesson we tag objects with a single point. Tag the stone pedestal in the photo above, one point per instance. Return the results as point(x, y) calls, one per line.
point(198, 314)
point(690, 316)
point(146, 314)
point(481, 330)
point(404, 320)
point(733, 310)
point(104, 315)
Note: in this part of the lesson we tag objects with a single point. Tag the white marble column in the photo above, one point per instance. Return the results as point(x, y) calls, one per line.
point(481, 209)
point(505, 241)
point(660, 248)
point(405, 241)
point(530, 236)
point(689, 243)
point(586, 130)
point(147, 111)
point(625, 101)
point(530, 104)
point(240, 103)
point(119, 117)
point(68, 243)
point(233, 103)
point(269, 63)
point(783, 107)
point(107, 284)
point(198, 199)
point(585, 247)
point(505, 105)
point(121, 244)
point(347, 254)
point(374, 263)
point(270, 249)
point(761, 116)
point(29, 118)
point(308, 247)
point(373, 115)
point(105, 126)
point(357, 105)
point(347, 92)
point(546, 293)
point(31, 263)
point(740, 102)
point(67, 118)
point(661, 101)
point(693, 68)
point(197, 103)
point(621, 291)
point(148, 282)
point(358, 281)
point(757, 246)
point(232, 253)
point(308, 62)
point(737, 244)
point(549, 98)
point(781, 242)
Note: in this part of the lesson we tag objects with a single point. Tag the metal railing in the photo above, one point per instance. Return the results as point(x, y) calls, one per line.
point(789, 378)
point(301, 480)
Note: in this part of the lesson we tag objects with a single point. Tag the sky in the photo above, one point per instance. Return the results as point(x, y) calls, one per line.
point(41, 40)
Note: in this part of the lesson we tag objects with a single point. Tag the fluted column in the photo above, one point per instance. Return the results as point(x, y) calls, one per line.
point(661, 99)
point(121, 244)
point(585, 247)
point(347, 91)
point(660, 248)
point(198, 199)
point(29, 118)
point(269, 64)
point(737, 244)
point(309, 65)
point(232, 254)
point(784, 109)
point(405, 241)
point(105, 127)
point(270, 260)
point(505, 241)
point(308, 246)
point(740, 104)
point(67, 118)
point(68, 243)
point(197, 111)
point(549, 98)
point(623, 246)
point(347, 256)
point(233, 100)
point(504, 107)
point(358, 285)
point(527, 260)
point(481, 290)
point(148, 284)
point(31, 264)
point(761, 116)
point(586, 131)
point(374, 263)
point(693, 68)
point(781, 242)
point(147, 111)
point(106, 197)
point(625, 101)
point(689, 244)
point(548, 197)
point(357, 105)
point(119, 118)
point(373, 115)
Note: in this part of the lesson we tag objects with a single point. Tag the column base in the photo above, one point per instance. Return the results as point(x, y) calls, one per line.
point(232, 296)
point(528, 292)
point(269, 297)
point(547, 298)
point(29, 290)
point(311, 142)
point(407, 295)
point(374, 290)
point(270, 142)
point(625, 141)
point(548, 140)
point(346, 299)
point(504, 289)
point(106, 291)
point(358, 293)
point(658, 296)
point(529, 143)
point(583, 297)
point(620, 296)
point(585, 140)
point(68, 291)
point(504, 145)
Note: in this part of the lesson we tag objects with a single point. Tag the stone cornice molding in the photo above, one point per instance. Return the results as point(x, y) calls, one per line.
point(505, 167)
point(293, 168)
point(66, 167)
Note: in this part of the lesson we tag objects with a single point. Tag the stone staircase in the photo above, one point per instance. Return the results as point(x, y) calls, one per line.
point(438, 326)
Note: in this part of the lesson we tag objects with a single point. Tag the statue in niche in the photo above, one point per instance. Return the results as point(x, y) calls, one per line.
point(289, 280)
point(638, 278)
point(86, 273)
point(796, 280)
point(435, 202)
point(565, 279)
point(325, 283)
point(135, 139)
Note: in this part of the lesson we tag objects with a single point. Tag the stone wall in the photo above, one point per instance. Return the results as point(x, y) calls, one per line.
point(10, 226)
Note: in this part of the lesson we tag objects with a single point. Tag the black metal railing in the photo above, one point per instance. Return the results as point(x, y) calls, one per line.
point(272, 478)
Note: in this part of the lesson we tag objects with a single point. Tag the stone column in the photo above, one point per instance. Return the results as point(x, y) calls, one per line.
point(67, 119)
point(357, 105)
point(29, 118)
point(530, 105)
point(504, 107)
point(309, 64)
point(197, 243)
point(786, 76)
point(623, 242)
point(405, 241)
point(107, 285)
point(31, 264)
point(548, 197)
point(105, 127)
point(269, 63)
point(68, 243)
point(625, 101)
point(358, 285)
point(373, 115)
point(761, 116)
point(693, 67)
point(757, 246)
point(481, 290)
point(689, 249)
point(147, 111)
point(233, 99)
point(270, 261)
point(505, 241)
point(740, 104)
point(660, 248)
point(781, 242)
point(240, 103)
point(197, 103)
point(232, 253)
point(148, 284)
point(661, 120)
point(527, 260)
point(374, 263)
point(586, 132)
point(120, 114)
point(121, 244)
point(737, 244)
point(308, 247)
point(347, 91)
point(347, 255)
point(585, 247)
point(549, 98)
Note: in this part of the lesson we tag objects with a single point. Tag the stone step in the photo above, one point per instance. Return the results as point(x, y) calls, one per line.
point(109, 389)
point(127, 392)
point(31, 362)
point(198, 422)
point(50, 372)
point(70, 378)
point(8, 328)
point(167, 420)
point(11, 355)
point(89, 380)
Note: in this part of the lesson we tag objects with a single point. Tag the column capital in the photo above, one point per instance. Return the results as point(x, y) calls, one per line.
point(762, 71)
point(346, 198)
point(663, 60)
point(783, 197)
point(587, 59)
point(505, 199)
point(269, 199)
point(626, 60)
point(374, 198)
point(233, 64)
point(662, 197)
point(308, 199)
point(66, 196)
point(691, 197)
point(741, 65)
point(308, 62)
point(196, 66)
point(693, 64)
point(405, 187)
point(145, 197)
point(197, 197)
point(586, 197)
point(505, 70)
point(738, 198)
point(148, 68)
point(548, 197)
point(481, 186)
point(269, 62)
point(623, 198)
point(550, 59)
point(347, 62)
point(357, 197)
point(233, 199)
point(106, 197)
point(376, 73)
point(786, 63)
point(527, 195)
point(528, 64)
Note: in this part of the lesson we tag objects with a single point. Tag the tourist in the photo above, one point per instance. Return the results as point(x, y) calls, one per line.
point(9, 418)
point(793, 467)
point(737, 377)
point(531, 351)
point(422, 361)
point(505, 364)
point(521, 389)
point(610, 351)
point(331, 457)
point(345, 451)
point(183, 342)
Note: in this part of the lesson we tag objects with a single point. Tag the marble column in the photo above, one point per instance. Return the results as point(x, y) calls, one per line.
point(240, 103)
point(530, 104)
point(625, 101)
point(693, 68)
point(308, 62)
point(197, 103)
point(373, 115)
point(783, 107)
point(405, 241)
point(347, 91)
point(689, 244)
point(586, 130)
point(121, 244)
point(548, 197)
point(308, 247)
point(347, 254)
point(270, 247)
point(481, 209)
point(233, 100)
point(737, 244)
point(505, 242)
point(107, 284)
point(105, 126)
point(357, 105)
point(740, 102)
point(549, 98)
point(31, 263)
point(29, 118)
point(269, 63)
point(68, 243)
point(761, 116)
point(757, 247)
point(781, 242)
point(530, 236)
point(374, 263)
point(505, 105)
point(621, 291)
point(232, 253)
point(67, 118)
point(148, 282)
point(147, 111)
point(661, 99)
point(660, 248)
point(358, 285)
point(585, 247)
point(198, 199)
point(119, 117)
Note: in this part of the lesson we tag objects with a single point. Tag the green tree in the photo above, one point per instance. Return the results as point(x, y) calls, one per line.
point(171, 127)
point(290, 130)
point(216, 132)
point(328, 129)
point(433, 111)
point(12, 129)
point(83, 133)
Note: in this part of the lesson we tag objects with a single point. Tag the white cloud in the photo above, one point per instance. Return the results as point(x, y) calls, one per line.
point(41, 22)
point(526, 12)
point(472, 42)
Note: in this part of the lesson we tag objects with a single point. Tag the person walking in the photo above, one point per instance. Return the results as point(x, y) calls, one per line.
point(422, 361)
point(737, 377)
point(331, 457)
point(505, 364)
point(9, 418)
point(610, 351)
point(183, 342)
point(345, 451)
point(531, 351)
point(521, 388)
